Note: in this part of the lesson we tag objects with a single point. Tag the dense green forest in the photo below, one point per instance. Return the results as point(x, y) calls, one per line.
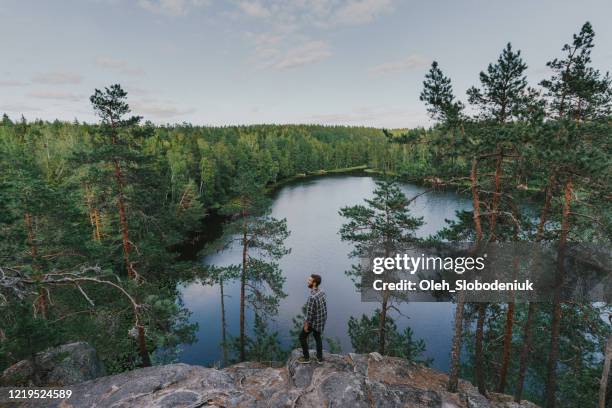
point(62, 212)
point(92, 218)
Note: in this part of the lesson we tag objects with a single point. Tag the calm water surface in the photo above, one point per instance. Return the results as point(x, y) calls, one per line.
point(311, 208)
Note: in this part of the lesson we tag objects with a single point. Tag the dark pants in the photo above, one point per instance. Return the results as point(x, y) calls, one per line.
point(304, 343)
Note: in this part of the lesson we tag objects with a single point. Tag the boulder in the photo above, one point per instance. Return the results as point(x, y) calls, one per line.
point(353, 380)
point(64, 365)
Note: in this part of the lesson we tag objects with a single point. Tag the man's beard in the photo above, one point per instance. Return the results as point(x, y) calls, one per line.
point(310, 285)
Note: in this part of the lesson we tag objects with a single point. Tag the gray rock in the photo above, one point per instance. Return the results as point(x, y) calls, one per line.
point(352, 381)
point(64, 365)
point(476, 400)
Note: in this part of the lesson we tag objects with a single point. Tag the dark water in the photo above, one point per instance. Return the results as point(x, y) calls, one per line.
point(311, 208)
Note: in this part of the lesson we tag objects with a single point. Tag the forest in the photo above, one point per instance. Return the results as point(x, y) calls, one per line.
point(93, 217)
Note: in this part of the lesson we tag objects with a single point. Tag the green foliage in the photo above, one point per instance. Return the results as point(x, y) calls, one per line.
point(25, 335)
point(384, 222)
point(383, 226)
point(583, 337)
point(57, 176)
point(553, 151)
point(502, 95)
point(399, 344)
point(62, 174)
point(261, 346)
point(438, 96)
point(60, 195)
point(576, 90)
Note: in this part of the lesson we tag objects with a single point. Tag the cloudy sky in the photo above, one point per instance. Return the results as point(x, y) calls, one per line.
point(218, 62)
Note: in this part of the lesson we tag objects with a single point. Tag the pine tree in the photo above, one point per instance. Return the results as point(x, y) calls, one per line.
point(264, 346)
point(6, 121)
point(501, 97)
point(576, 90)
point(576, 93)
point(500, 100)
point(438, 97)
point(111, 106)
point(154, 209)
point(221, 276)
point(437, 94)
point(384, 223)
point(262, 240)
point(399, 344)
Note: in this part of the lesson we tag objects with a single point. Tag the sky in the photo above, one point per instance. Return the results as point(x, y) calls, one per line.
point(231, 62)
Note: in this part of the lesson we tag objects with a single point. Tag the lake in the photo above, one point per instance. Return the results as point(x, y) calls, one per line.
point(311, 207)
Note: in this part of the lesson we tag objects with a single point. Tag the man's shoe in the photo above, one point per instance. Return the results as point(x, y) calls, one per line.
point(303, 360)
point(319, 360)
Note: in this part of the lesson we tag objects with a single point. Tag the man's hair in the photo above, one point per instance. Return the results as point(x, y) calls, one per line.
point(316, 278)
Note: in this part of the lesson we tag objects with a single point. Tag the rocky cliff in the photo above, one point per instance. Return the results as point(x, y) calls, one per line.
point(351, 380)
point(67, 364)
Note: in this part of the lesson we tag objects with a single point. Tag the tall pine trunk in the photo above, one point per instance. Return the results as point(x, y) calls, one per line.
point(553, 355)
point(482, 307)
point(475, 199)
point(503, 374)
point(142, 346)
point(223, 336)
point(41, 302)
point(243, 285)
point(508, 328)
point(496, 194)
point(527, 329)
point(125, 237)
point(97, 224)
point(527, 340)
point(605, 373)
point(478, 353)
point(94, 214)
point(383, 311)
point(453, 378)
point(125, 234)
point(382, 323)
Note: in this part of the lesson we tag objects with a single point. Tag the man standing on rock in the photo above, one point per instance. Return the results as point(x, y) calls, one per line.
point(316, 315)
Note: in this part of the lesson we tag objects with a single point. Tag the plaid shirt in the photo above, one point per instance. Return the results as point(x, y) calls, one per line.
point(316, 310)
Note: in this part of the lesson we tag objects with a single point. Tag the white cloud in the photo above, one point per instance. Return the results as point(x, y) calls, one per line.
point(254, 9)
point(289, 28)
point(11, 82)
point(118, 65)
point(320, 13)
point(307, 53)
point(57, 78)
point(406, 64)
point(265, 44)
point(362, 11)
point(56, 95)
point(265, 38)
point(171, 7)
